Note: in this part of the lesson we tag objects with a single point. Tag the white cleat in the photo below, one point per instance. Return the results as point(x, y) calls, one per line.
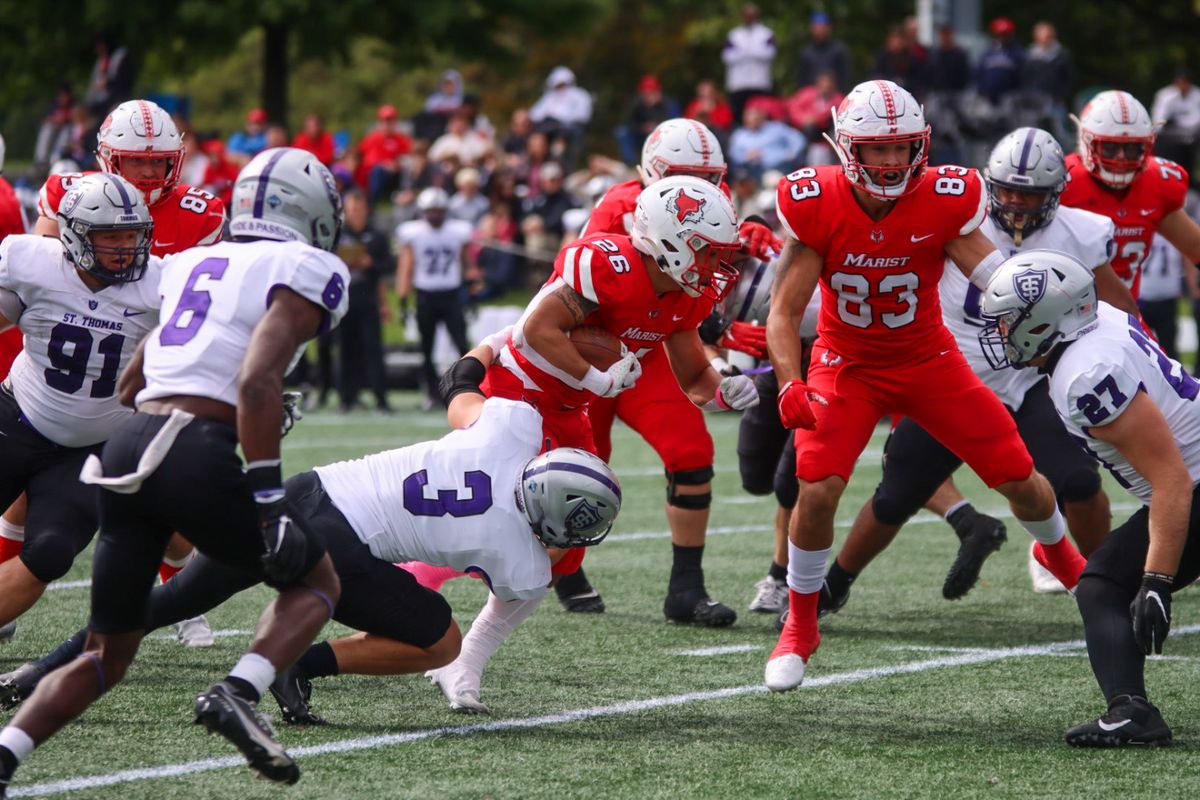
point(459, 688)
point(1044, 581)
point(195, 632)
point(771, 596)
point(784, 672)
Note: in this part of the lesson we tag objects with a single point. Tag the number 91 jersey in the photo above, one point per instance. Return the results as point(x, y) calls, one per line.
point(879, 282)
point(76, 341)
point(214, 297)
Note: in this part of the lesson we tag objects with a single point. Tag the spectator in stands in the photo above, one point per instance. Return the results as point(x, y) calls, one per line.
point(467, 203)
point(449, 95)
point(808, 110)
point(543, 211)
point(762, 144)
point(562, 113)
point(1047, 76)
point(220, 173)
point(1177, 108)
point(460, 142)
point(78, 142)
point(525, 166)
point(911, 29)
point(493, 250)
point(648, 109)
point(368, 257)
point(823, 54)
point(56, 121)
point(950, 67)
point(950, 75)
point(379, 154)
point(1158, 298)
point(748, 53)
point(999, 69)
point(315, 139)
point(520, 126)
point(710, 108)
point(899, 62)
point(112, 77)
point(243, 145)
point(277, 136)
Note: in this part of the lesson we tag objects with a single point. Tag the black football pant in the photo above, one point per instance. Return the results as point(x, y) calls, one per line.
point(432, 308)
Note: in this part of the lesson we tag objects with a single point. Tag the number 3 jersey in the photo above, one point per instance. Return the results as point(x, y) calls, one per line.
point(1100, 373)
point(77, 341)
point(214, 297)
point(879, 283)
point(452, 502)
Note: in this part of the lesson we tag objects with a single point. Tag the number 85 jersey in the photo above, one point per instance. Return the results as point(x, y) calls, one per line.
point(879, 282)
point(212, 300)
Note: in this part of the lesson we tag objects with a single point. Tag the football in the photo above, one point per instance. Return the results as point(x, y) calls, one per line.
point(598, 347)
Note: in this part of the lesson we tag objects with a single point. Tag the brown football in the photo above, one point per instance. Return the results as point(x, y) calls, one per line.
point(598, 347)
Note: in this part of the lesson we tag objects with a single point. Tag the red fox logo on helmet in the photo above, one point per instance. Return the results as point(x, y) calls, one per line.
point(685, 207)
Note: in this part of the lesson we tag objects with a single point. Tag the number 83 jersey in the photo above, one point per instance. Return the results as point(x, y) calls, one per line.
point(212, 300)
point(879, 283)
point(76, 341)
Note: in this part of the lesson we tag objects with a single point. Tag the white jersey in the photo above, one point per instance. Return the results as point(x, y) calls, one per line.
point(1097, 378)
point(452, 502)
point(437, 252)
point(77, 341)
point(1162, 271)
point(215, 296)
point(1082, 234)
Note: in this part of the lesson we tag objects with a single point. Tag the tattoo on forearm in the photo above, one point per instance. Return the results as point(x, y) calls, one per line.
point(578, 306)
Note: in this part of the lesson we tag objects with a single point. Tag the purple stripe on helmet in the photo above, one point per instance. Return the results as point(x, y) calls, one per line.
point(1023, 164)
point(124, 194)
point(261, 195)
point(580, 470)
point(759, 272)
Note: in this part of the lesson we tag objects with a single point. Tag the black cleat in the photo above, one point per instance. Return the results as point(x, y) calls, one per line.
point(981, 536)
point(781, 620)
point(827, 601)
point(292, 690)
point(1129, 720)
point(697, 608)
point(17, 685)
point(576, 594)
point(221, 711)
point(7, 632)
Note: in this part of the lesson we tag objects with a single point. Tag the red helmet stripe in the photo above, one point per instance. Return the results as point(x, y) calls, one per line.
point(889, 102)
point(705, 150)
point(1124, 107)
point(147, 121)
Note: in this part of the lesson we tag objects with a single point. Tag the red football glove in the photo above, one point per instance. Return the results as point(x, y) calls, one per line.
point(746, 337)
point(794, 410)
point(758, 241)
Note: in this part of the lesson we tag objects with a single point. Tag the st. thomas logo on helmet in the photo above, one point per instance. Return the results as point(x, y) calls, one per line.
point(685, 207)
point(1030, 285)
point(583, 517)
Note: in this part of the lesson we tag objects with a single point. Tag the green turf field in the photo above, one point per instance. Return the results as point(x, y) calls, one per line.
point(908, 696)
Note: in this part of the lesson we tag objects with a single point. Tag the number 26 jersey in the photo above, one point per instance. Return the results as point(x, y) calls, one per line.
point(879, 282)
point(214, 297)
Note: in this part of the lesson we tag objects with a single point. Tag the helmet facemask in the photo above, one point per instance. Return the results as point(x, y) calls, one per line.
point(1019, 220)
point(1116, 161)
point(711, 273)
point(873, 178)
point(154, 189)
point(714, 175)
point(88, 255)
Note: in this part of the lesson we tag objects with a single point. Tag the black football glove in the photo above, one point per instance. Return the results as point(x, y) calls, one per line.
point(292, 412)
point(1151, 612)
point(285, 544)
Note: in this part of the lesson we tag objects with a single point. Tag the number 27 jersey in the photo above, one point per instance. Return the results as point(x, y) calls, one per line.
point(879, 282)
point(214, 297)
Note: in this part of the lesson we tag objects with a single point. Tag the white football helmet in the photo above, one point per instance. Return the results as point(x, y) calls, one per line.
point(141, 129)
point(682, 147)
point(1116, 137)
point(570, 497)
point(751, 296)
point(1026, 160)
point(689, 227)
point(1, 154)
point(287, 194)
point(880, 112)
point(1034, 301)
point(101, 201)
point(432, 198)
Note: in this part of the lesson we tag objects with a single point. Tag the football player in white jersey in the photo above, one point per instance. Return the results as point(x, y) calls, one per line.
point(479, 500)
point(433, 259)
point(207, 380)
point(83, 301)
point(1024, 178)
point(1134, 410)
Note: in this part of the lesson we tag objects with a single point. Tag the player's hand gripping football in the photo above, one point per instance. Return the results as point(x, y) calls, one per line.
point(1151, 612)
point(758, 240)
point(794, 409)
point(622, 375)
point(746, 337)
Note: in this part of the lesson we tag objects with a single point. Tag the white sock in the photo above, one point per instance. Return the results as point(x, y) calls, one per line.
point(12, 531)
point(806, 568)
point(17, 741)
point(495, 623)
point(254, 670)
point(179, 563)
point(1047, 531)
point(955, 507)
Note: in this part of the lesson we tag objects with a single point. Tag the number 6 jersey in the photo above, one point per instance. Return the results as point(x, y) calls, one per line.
point(879, 284)
point(76, 341)
point(214, 297)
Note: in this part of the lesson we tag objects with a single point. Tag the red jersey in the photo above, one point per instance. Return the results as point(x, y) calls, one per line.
point(607, 270)
point(1136, 211)
point(186, 217)
point(12, 216)
point(614, 212)
point(879, 284)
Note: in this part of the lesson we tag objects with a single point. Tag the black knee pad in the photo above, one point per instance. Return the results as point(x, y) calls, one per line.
point(689, 477)
point(48, 557)
point(1082, 484)
point(787, 486)
point(891, 510)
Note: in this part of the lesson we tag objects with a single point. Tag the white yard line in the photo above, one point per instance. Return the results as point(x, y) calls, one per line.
point(578, 715)
point(705, 652)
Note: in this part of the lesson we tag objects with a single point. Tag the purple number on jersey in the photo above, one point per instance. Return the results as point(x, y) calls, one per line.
point(193, 304)
point(447, 500)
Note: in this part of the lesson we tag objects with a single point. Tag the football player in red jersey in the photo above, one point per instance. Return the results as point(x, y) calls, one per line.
point(662, 415)
point(875, 233)
point(1114, 175)
point(12, 221)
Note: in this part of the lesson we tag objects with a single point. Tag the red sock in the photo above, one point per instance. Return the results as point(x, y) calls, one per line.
point(9, 548)
point(429, 576)
point(168, 570)
point(800, 634)
point(1063, 561)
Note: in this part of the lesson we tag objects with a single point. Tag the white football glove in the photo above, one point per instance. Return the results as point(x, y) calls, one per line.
point(736, 393)
point(497, 340)
point(620, 376)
